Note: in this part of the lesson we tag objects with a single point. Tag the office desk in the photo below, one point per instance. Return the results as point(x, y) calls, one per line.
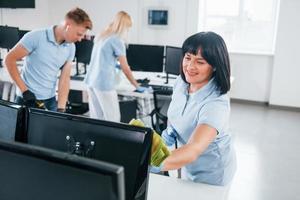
point(124, 88)
point(168, 188)
point(4, 75)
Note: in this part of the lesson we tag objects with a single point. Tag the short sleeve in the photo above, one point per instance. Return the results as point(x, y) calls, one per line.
point(118, 47)
point(215, 114)
point(30, 40)
point(177, 81)
point(72, 53)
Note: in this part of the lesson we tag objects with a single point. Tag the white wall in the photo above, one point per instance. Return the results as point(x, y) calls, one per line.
point(286, 73)
point(252, 76)
point(102, 13)
point(27, 18)
point(256, 76)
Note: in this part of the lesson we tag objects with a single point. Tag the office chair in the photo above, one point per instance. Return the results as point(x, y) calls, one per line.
point(75, 104)
point(83, 53)
point(7, 91)
point(159, 120)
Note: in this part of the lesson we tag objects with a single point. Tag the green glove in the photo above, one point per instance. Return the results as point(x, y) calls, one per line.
point(159, 150)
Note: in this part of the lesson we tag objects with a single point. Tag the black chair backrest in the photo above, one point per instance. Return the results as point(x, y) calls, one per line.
point(83, 51)
point(158, 115)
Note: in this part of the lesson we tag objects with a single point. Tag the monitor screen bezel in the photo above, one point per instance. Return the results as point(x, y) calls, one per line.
point(166, 63)
point(20, 123)
point(9, 36)
point(141, 65)
point(60, 159)
point(17, 4)
point(146, 133)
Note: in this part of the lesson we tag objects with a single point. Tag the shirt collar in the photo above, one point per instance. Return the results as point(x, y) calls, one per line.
point(51, 36)
point(203, 92)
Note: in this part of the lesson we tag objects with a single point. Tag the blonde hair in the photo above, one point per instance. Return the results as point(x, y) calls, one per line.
point(122, 21)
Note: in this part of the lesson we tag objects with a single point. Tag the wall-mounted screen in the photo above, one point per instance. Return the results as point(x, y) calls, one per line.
point(158, 17)
point(17, 3)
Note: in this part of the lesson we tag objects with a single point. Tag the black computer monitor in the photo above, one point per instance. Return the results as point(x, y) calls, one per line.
point(9, 36)
point(28, 172)
point(17, 4)
point(148, 58)
point(173, 60)
point(12, 121)
point(22, 33)
point(83, 53)
point(117, 143)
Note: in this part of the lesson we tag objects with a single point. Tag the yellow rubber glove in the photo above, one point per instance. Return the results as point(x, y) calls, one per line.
point(159, 150)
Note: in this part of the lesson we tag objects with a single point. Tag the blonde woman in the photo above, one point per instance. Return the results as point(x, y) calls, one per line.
point(109, 48)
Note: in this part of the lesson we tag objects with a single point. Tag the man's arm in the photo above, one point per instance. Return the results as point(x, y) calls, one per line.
point(64, 85)
point(17, 53)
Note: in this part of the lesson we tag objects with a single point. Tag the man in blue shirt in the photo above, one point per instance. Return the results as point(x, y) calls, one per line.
point(46, 52)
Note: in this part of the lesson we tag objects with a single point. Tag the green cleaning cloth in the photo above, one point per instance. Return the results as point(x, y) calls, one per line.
point(159, 150)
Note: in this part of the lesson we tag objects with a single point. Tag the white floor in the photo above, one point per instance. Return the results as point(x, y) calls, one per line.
point(267, 143)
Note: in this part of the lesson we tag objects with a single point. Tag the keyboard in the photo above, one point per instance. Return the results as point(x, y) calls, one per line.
point(77, 78)
point(143, 82)
point(162, 89)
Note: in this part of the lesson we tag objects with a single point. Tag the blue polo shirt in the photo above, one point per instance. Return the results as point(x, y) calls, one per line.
point(101, 72)
point(217, 164)
point(42, 64)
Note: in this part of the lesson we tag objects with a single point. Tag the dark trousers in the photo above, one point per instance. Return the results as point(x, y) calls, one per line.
point(50, 103)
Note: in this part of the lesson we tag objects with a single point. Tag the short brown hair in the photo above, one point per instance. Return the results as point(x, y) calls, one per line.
point(80, 17)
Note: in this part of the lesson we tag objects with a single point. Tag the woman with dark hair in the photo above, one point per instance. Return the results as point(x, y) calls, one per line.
point(199, 113)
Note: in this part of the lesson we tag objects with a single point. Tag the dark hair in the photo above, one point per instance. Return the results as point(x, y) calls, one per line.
point(80, 17)
point(213, 49)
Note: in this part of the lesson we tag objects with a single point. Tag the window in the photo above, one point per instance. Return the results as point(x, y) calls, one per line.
point(245, 25)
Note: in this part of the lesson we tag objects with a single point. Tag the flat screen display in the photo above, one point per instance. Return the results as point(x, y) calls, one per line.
point(12, 123)
point(158, 17)
point(148, 58)
point(28, 172)
point(17, 3)
point(112, 142)
point(9, 36)
point(173, 60)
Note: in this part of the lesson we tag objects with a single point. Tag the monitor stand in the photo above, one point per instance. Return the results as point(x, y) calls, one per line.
point(77, 69)
point(169, 77)
point(1, 60)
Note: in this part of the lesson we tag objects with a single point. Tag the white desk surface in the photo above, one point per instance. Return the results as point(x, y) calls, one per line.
point(169, 188)
point(4, 75)
point(125, 88)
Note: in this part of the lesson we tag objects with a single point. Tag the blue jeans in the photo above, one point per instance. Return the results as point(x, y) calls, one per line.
point(50, 103)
